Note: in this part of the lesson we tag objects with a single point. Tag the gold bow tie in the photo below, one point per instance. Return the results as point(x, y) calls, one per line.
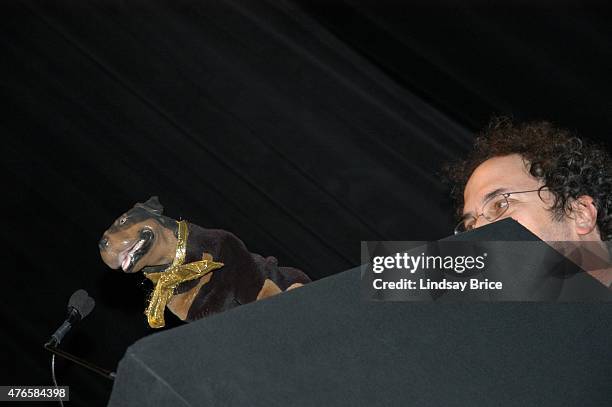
point(167, 281)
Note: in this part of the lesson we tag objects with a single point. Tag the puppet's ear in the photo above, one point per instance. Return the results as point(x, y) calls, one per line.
point(152, 205)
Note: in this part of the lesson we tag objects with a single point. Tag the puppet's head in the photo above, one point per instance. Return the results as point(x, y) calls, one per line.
point(139, 238)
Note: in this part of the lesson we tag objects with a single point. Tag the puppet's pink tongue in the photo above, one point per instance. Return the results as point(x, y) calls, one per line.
point(128, 257)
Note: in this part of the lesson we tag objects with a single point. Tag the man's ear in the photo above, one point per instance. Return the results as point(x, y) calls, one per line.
point(584, 214)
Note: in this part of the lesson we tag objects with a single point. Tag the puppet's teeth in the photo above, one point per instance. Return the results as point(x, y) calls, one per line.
point(125, 263)
point(136, 247)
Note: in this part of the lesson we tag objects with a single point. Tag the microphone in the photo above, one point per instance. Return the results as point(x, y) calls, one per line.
point(79, 306)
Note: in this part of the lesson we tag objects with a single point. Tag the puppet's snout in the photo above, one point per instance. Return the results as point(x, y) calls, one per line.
point(103, 243)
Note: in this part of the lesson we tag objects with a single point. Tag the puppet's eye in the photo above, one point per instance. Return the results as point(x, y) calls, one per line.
point(122, 220)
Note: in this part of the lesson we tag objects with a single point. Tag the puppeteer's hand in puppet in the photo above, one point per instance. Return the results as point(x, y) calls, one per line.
point(196, 271)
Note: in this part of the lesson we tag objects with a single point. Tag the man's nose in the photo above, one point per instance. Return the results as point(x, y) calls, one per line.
point(103, 243)
point(481, 221)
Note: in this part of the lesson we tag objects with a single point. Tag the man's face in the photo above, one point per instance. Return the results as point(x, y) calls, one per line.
point(509, 174)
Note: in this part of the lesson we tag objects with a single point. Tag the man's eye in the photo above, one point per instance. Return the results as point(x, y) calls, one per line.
point(501, 205)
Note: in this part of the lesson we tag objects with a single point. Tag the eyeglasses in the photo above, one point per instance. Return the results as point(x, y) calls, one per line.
point(493, 209)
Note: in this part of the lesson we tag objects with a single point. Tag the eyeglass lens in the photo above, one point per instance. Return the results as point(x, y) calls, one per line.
point(491, 211)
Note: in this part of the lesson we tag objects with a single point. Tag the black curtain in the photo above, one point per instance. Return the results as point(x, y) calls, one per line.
point(302, 127)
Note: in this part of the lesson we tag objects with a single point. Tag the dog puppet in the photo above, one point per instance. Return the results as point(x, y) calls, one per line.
point(196, 271)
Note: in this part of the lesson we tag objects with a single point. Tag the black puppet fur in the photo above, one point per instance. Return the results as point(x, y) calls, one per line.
point(238, 282)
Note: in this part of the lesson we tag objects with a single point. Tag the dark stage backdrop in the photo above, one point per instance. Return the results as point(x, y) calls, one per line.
point(302, 127)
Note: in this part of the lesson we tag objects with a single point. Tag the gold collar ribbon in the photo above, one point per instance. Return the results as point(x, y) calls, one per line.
point(167, 280)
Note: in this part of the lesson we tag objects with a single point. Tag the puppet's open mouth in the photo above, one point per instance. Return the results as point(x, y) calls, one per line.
point(137, 251)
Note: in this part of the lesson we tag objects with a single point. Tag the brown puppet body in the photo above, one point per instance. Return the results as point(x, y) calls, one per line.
point(144, 239)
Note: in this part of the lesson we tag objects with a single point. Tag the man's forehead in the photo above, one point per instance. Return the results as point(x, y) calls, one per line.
point(498, 174)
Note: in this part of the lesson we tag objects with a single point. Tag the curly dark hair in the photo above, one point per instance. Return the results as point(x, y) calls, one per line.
point(567, 165)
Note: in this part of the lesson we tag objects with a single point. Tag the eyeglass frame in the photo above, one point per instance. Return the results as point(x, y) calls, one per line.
point(505, 195)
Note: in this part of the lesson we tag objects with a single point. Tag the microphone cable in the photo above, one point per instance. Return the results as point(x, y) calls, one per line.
point(54, 380)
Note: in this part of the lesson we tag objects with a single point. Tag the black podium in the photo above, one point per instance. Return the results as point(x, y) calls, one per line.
point(322, 345)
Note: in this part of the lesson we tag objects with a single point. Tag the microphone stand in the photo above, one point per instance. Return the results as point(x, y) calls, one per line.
point(52, 347)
